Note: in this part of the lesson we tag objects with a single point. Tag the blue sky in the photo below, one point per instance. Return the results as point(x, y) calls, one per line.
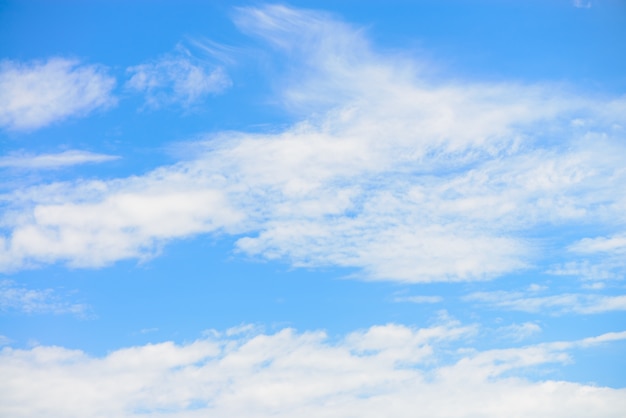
point(312, 209)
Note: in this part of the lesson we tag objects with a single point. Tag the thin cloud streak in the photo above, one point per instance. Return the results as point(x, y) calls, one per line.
point(579, 303)
point(54, 161)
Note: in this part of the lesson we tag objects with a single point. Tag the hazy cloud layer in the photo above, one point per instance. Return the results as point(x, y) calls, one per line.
point(403, 176)
point(36, 94)
point(388, 370)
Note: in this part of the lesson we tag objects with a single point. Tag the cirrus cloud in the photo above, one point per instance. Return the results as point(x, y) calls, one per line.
point(36, 94)
point(177, 78)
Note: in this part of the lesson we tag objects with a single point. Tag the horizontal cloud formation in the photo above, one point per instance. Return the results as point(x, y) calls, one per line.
point(388, 370)
point(36, 94)
point(403, 176)
point(556, 304)
point(52, 161)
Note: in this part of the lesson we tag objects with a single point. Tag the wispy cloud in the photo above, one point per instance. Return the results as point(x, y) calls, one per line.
point(36, 94)
point(53, 161)
point(518, 332)
point(386, 370)
point(596, 259)
point(177, 78)
point(579, 303)
point(403, 177)
point(14, 297)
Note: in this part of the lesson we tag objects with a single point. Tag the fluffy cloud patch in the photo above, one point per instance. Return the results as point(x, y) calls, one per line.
point(102, 222)
point(36, 94)
point(389, 370)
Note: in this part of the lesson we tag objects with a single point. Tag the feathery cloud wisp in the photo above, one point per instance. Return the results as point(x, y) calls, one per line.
point(36, 94)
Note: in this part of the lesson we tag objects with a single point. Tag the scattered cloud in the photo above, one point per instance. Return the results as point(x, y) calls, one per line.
point(400, 176)
point(36, 94)
point(14, 297)
point(389, 370)
point(177, 79)
point(579, 303)
point(615, 244)
point(597, 260)
point(592, 271)
point(53, 161)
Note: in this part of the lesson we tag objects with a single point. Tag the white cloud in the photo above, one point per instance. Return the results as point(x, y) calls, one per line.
point(36, 94)
point(597, 259)
point(403, 177)
point(53, 161)
point(103, 222)
point(177, 79)
point(562, 303)
point(18, 298)
point(389, 370)
point(615, 244)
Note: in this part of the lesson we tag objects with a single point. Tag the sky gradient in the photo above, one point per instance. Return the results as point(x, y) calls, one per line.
point(313, 209)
